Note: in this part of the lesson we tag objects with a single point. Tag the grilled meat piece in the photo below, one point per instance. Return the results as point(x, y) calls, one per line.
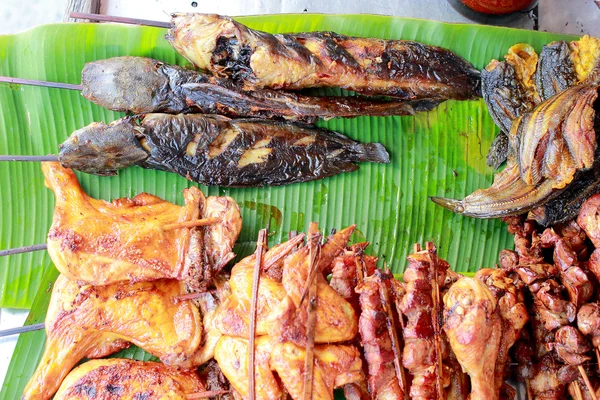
point(143, 85)
point(128, 379)
point(548, 146)
point(513, 312)
point(256, 59)
point(588, 321)
point(473, 325)
point(215, 150)
point(571, 346)
point(384, 382)
point(94, 321)
point(589, 219)
point(100, 243)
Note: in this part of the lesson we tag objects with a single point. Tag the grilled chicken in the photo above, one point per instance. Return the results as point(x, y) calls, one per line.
point(473, 325)
point(101, 243)
point(141, 85)
point(117, 379)
point(215, 150)
point(94, 321)
point(256, 59)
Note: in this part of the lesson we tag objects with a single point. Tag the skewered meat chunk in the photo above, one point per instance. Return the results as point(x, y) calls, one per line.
point(473, 325)
point(94, 321)
point(588, 321)
point(379, 352)
point(142, 85)
point(215, 150)
point(589, 219)
point(117, 378)
point(257, 59)
point(513, 314)
point(101, 243)
point(571, 346)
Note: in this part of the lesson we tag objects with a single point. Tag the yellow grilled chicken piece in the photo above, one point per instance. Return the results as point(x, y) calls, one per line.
point(94, 321)
point(121, 379)
point(474, 329)
point(101, 242)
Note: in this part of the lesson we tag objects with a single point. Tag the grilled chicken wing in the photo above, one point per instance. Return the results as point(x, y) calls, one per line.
point(474, 329)
point(121, 379)
point(141, 85)
point(94, 321)
point(215, 150)
point(257, 59)
point(101, 243)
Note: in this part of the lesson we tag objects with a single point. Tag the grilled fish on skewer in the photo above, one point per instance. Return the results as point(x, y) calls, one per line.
point(101, 243)
point(547, 148)
point(215, 150)
point(128, 379)
point(96, 321)
point(404, 69)
point(143, 85)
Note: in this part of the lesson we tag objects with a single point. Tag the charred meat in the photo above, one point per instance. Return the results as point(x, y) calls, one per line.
point(215, 150)
point(256, 60)
point(143, 85)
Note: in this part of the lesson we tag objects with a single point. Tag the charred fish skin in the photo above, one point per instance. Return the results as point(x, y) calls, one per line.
point(555, 70)
point(142, 85)
point(256, 59)
point(101, 149)
point(241, 153)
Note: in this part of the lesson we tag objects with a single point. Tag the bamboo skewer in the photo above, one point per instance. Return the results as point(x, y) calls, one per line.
point(35, 82)
point(586, 379)
point(24, 249)
point(206, 395)
point(50, 157)
point(433, 262)
point(261, 246)
point(21, 329)
point(121, 20)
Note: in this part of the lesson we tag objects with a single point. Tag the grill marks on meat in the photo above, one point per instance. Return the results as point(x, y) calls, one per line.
point(255, 59)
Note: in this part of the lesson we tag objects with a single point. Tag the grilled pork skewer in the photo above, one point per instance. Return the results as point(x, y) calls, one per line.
point(141, 85)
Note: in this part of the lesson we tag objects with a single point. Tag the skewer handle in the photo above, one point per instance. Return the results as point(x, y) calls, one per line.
point(33, 82)
point(25, 249)
point(122, 20)
point(21, 329)
point(29, 158)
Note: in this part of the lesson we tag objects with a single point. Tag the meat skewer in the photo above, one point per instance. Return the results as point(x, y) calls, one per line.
point(140, 85)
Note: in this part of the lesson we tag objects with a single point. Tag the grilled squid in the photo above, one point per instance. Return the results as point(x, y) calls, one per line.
point(256, 59)
point(215, 150)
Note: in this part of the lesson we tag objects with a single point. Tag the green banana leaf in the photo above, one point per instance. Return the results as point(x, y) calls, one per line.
point(439, 153)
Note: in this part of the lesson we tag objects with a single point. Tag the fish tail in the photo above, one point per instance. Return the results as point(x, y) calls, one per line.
point(371, 152)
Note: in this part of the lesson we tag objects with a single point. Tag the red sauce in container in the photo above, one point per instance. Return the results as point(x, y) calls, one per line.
point(497, 6)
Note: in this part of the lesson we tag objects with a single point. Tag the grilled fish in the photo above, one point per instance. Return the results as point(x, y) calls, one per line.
point(255, 59)
point(215, 150)
point(143, 85)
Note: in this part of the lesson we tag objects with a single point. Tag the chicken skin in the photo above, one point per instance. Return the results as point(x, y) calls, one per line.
point(473, 326)
point(94, 321)
point(121, 379)
point(101, 243)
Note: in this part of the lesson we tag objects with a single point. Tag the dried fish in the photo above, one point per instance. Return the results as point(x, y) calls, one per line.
point(255, 59)
point(143, 85)
point(547, 148)
point(215, 150)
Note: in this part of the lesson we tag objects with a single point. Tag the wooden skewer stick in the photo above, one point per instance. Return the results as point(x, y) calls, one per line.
point(207, 394)
point(586, 379)
point(34, 82)
point(314, 245)
point(577, 390)
point(597, 355)
point(121, 20)
point(261, 247)
point(50, 157)
point(433, 264)
point(24, 249)
point(21, 329)
point(191, 224)
point(528, 387)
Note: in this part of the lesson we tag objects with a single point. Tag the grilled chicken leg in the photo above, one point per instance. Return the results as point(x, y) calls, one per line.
point(474, 329)
point(96, 321)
